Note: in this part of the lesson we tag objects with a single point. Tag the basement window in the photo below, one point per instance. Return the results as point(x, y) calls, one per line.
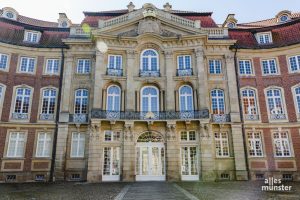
point(259, 176)
point(75, 177)
point(11, 178)
point(225, 176)
point(287, 177)
point(40, 177)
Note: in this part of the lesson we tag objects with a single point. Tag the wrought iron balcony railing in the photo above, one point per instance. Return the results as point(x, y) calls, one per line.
point(46, 117)
point(114, 72)
point(167, 115)
point(149, 73)
point(78, 118)
point(220, 118)
point(251, 117)
point(20, 116)
point(184, 72)
point(278, 116)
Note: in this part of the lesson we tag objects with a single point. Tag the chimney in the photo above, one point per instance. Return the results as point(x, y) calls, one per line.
point(130, 7)
point(167, 7)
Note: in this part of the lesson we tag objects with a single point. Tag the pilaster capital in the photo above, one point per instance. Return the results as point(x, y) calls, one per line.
point(99, 53)
point(199, 52)
point(168, 53)
point(229, 58)
point(131, 53)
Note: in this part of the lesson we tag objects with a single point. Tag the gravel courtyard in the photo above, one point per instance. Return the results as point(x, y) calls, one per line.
point(145, 190)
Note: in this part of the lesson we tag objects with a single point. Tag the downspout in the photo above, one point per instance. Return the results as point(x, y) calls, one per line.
point(51, 178)
point(241, 109)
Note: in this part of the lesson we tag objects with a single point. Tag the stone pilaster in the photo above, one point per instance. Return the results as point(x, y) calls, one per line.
point(100, 70)
point(170, 67)
point(239, 152)
point(61, 149)
point(172, 153)
point(202, 78)
point(130, 94)
point(128, 173)
point(95, 154)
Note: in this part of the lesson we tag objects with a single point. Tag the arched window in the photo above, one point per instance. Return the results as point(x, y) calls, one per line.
point(218, 102)
point(149, 60)
point(274, 98)
point(297, 98)
point(186, 98)
point(149, 99)
point(22, 100)
point(81, 101)
point(249, 102)
point(49, 100)
point(113, 98)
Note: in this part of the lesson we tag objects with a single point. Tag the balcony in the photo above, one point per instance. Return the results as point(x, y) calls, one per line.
point(20, 116)
point(278, 116)
point(251, 117)
point(184, 72)
point(78, 118)
point(46, 117)
point(149, 73)
point(114, 72)
point(150, 116)
point(220, 118)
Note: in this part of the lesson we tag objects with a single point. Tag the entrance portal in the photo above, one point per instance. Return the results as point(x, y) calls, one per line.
point(150, 157)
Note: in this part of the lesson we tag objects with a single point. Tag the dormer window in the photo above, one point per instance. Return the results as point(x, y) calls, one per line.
point(283, 18)
point(9, 13)
point(231, 25)
point(264, 38)
point(31, 36)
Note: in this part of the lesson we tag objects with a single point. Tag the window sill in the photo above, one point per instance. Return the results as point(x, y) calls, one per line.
point(12, 158)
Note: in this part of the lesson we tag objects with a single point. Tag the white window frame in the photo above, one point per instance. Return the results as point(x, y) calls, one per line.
point(32, 36)
point(296, 98)
point(189, 176)
point(115, 61)
point(115, 136)
point(263, 36)
point(269, 67)
point(23, 96)
point(149, 60)
point(149, 96)
point(218, 101)
point(243, 62)
point(280, 140)
point(85, 69)
point(29, 59)
point(184, 63)
point(5, 67)
point(18, 140)
point(186, 99)
point(114, 99)
point(220, 140)
point(297, 62)
point(81, 100)
point(113, 152)
point(252, 142)
point(215, 61)
point(2, 95)
point(54, 61)
point(48, 98)
point(274, 101)
point(188, 136)
point(46, 140)
point(248, 97)
point(78, 140)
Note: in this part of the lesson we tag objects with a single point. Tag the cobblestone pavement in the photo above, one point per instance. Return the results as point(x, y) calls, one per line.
point(248, 190)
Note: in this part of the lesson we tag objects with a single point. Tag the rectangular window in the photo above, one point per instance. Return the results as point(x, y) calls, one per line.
point(245, 67)
point(27, 64)
point(83, 66)
point(215, 67)
point(269, 67)
point(49, 100)
point(115, 62)
point(22, 100)
point(282, 144)
point(111, 161)
point(52, 66)
point(255, 144)
point(221, 144)
point(188, 136)
point(112, 136)
point(297, 96)
point(3, 61)
point(78, 145)
point(43, 146)
point(184, 62)
point(16, 145)
point(189, 161)
point(31, 36)
point(294, 63)
point(264, 38)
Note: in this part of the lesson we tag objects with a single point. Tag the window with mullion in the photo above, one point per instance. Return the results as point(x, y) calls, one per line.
point(149, 60)
point(245, 67)
point(81, 101)
point(221, 145)
point(249, 102)
point(215, 67)
point(186, 98)
point(255, 144)
point(274, 98)
point(295, 63)
point(113, 98)
point(43, 145)
point(3, 61)
point(282, 144)
point(115, 62)
point(52, 66)
point(269, 67)
point(27, 64)
point(78, 145)
point(297, 95)
point(16, 144)
point(49, 100)
point(184, 62)
point(218, 101)
point(83, 66)
point(22, 100)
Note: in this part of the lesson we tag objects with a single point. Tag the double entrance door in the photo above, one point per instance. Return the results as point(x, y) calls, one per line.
point(150, 161)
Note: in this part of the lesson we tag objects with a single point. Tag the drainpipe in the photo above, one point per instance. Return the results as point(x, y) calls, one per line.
point(51, 178)
point(241, 109)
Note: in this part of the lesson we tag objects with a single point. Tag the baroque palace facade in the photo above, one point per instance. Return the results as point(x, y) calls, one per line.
point(149, 94)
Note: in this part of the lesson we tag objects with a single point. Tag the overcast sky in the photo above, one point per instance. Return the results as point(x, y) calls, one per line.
point(245, 10)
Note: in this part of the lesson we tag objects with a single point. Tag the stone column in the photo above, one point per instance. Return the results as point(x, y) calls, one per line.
point(170, 66)
point(100, 70)
point(207, 153)
point(128, 173)
point(95, 154)
point(232, 89)
point(61, 149)
point(239, 152)
point(131, 67)
point(173, 168)
point(202, 78)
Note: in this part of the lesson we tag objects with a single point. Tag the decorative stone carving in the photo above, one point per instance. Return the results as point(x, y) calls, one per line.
point(128, 135)
point(170, 133)
point(204, 133)
point(149, 26)
point(94, 132)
